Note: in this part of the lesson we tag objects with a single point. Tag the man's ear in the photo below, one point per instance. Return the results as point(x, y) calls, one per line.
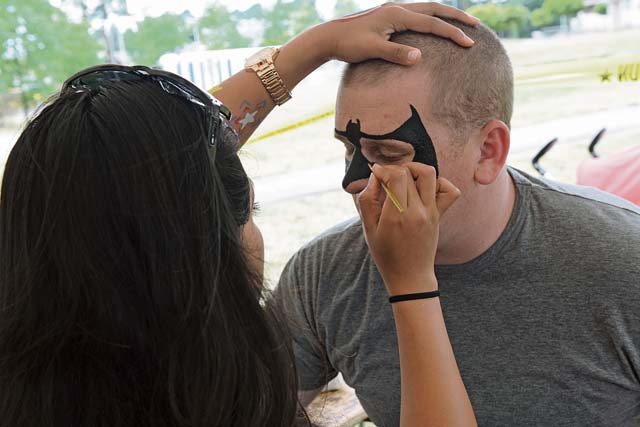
point(494, 148)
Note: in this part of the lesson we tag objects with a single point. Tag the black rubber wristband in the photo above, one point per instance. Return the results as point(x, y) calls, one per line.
point(409, 297)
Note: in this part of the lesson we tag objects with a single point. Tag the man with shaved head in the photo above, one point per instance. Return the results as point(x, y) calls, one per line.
point(539, 281)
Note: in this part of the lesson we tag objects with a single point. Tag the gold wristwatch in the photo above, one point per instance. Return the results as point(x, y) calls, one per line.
point(262, 62)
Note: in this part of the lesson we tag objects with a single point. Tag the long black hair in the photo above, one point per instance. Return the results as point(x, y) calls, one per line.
point(126, 298)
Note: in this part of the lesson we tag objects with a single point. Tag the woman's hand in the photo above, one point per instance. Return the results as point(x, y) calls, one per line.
point(365, 35)
point(353, 39)
point(403, 245)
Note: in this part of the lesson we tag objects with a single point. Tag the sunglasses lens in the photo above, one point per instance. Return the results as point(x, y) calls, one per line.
point(219, 125)
point(95, 80)
point(180, 90)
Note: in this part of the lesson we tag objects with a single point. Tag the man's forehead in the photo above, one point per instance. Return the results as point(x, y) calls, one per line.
point(383, 104)
point(380, 117)
point(373, 122)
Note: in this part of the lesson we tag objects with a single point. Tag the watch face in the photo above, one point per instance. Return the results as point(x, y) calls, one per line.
point(260, 55)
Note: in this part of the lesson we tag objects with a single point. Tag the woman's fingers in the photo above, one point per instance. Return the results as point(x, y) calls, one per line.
point(433, 189)
point(413, 196)
point(365, 35)
point(446, 195)
point(403, 245)
point(424, 23)
point(370, 201)
point(398, 53)
point(414, 186)
point(425, 178)
point(437, 9)
point(396, 181)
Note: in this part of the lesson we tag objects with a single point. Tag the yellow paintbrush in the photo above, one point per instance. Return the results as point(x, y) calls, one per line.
point(390, 194)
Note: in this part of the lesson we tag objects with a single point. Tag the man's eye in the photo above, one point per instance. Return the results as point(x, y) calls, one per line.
point(390, 159)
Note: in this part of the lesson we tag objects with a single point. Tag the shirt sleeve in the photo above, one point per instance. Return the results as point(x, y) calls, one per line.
point(294, 298)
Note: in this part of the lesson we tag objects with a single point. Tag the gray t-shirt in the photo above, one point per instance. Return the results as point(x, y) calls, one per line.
point(545, 325)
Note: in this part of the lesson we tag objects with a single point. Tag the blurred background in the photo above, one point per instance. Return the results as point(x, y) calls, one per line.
point(576, 62)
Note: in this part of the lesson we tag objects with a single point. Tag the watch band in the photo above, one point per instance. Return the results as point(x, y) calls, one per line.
point(266, 71)
point(273, 83)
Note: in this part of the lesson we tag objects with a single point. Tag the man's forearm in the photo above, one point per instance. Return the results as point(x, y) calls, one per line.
point(247, 98)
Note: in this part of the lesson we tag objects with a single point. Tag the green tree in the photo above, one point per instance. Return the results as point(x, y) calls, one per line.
point(567, 8)
point(219, 29)
point(541, 18)
point(552, 10)
point(287, 19)
point(601, 8)
point(254, 12)
point(515, 19)
point(490, 14)
point(345, 7)
point(40, 47)
point(303, 15)
point(276, 31)
point(529, 4)
point(157, 36)
point(503, 19)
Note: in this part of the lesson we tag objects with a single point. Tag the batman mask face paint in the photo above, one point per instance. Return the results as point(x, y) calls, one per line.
point(412, 132)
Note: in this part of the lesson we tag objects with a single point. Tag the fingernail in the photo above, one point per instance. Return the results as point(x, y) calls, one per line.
point(414, 55)
point(469, 39)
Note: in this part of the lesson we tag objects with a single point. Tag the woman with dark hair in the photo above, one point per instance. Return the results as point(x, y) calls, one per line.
point(130, 268)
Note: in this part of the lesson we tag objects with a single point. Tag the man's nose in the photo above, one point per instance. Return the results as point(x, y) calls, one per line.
point(355, 187)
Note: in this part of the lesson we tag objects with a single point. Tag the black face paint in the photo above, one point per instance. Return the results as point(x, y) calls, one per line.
point(412, 131)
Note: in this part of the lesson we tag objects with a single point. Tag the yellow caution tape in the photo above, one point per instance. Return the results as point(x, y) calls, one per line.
point(284, 129)
point(293, 126)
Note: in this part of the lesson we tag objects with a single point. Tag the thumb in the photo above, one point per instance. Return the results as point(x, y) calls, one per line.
point(371, 201)
point(398, 53)
point(446, 195)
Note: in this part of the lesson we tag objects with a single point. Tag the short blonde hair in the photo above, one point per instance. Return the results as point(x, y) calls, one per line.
point(468, 87)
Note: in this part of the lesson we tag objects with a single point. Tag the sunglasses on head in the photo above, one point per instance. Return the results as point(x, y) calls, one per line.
point(217, 114)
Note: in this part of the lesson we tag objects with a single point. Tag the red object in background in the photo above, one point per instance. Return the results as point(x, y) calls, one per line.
point(618, 174)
